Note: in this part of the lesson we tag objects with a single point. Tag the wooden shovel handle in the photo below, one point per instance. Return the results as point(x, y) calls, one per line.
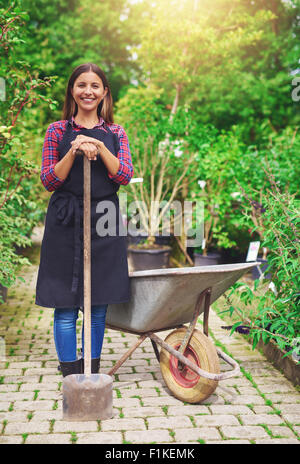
point(87, 263)
point(80, 152)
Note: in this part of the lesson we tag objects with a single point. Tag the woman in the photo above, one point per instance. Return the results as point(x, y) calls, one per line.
point(87, 124)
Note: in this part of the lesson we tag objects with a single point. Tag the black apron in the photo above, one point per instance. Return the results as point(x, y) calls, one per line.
point(60, 276)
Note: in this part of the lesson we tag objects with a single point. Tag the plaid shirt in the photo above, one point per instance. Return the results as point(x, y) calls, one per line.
point(54, 135)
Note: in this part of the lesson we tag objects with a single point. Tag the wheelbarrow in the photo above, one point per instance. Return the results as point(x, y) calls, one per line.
point(165, 299)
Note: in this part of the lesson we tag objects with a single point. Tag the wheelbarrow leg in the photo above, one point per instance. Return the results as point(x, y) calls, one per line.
point(206, 311)
point(127, 354)
point(154, 345)
point(205, 294)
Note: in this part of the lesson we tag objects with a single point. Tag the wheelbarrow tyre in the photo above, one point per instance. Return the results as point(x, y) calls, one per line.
point(185, 384)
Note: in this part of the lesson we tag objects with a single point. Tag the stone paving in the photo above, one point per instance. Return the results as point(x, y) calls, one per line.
point(258, 406)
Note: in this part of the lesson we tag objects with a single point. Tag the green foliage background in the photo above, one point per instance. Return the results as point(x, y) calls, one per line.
point(224, 70)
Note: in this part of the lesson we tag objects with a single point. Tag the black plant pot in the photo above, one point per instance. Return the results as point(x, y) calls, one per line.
point(135, 239)
point(138, 238)
point(232, 256)
point(211, 259)
point(143, 258)
point(163, 240)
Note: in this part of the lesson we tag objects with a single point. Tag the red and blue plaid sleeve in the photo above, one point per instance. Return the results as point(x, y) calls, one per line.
point(125, 171)
point(50, 157)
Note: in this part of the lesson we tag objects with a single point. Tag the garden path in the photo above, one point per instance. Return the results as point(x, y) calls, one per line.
point(258, 406)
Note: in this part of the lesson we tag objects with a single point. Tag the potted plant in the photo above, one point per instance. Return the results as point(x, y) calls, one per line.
point(215, 187)
point(154, 199)
point(162, 162)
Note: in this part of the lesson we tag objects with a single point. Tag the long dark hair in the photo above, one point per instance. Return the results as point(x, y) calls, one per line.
point(105, 108)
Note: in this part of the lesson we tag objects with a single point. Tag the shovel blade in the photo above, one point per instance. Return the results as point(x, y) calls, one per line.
point(87, 397)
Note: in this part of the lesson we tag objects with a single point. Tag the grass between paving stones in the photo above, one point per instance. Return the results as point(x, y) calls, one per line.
point(223, 437)
point(192, 421)
point(52, 422)
point(267, 401)
point(125, 442)
point(239, 419)
point(74, 437)
point(270, 433)
point(172, 434)
point(119, 395)
point(139, 398)
point(4, 424)
point(157, 391)
point(165, 410)
point(251, 406)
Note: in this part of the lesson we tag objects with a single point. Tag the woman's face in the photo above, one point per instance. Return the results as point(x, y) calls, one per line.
point(88, 91)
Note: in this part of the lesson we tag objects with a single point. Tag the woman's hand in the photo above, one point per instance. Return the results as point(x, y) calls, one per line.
point(80, 139)
point(90, 146)
point(90, 150)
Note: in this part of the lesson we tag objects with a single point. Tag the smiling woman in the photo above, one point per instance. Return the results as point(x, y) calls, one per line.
point(88, 124)
point(88, 92)
point(89, 77)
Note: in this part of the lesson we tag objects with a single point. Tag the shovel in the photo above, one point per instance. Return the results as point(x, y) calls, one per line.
point(87, 396)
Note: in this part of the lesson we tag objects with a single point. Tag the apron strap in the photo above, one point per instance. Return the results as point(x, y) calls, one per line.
point(115, 139)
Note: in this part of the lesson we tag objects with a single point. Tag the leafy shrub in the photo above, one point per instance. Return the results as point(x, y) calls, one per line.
point(271, 310)
point(19, 200)
point(277, 154)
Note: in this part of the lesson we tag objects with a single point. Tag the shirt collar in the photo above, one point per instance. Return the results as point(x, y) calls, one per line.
point(99, 123)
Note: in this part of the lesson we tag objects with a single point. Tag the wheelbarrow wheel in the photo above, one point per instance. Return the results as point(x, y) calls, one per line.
point(183, 382)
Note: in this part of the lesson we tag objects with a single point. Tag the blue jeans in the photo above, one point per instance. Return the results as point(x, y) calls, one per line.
point(64, 329)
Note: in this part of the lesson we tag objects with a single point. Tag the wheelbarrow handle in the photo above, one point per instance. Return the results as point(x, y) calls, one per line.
point(231, 362)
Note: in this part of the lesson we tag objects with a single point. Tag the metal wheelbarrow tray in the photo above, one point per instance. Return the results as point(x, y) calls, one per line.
point(163, 299)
